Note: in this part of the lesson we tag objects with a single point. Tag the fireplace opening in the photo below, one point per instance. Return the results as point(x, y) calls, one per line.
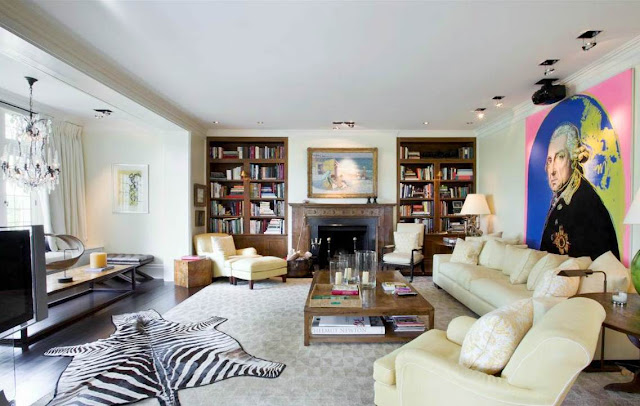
point(342, 241)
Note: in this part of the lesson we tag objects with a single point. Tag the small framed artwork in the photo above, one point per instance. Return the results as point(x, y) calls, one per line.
point(342, 172)
point(200, 214)
point(130, 188)
point(199, 193)
point(457, 206)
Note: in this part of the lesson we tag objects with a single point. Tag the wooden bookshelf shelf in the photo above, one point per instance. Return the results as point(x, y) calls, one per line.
point(244, 148)
point(436, 156)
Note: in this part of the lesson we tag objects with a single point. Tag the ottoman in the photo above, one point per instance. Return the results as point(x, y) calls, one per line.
point(137, 260)
point(257, 268)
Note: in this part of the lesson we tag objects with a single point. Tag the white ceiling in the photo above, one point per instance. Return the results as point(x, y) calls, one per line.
point(386, 65)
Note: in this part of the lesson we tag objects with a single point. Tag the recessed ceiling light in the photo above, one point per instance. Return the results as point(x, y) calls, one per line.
point(480, 112)
point(216, 122)
point(589, 39)
point(426, 123)
point(102, 113)
point(498, 100)
point(338, 124)
point(260, 122)
point(469, 122)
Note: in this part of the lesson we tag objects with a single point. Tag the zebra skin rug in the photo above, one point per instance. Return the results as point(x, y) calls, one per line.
point(150, 357)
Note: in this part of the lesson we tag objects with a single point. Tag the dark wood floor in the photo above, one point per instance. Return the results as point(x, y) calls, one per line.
point(36, 375)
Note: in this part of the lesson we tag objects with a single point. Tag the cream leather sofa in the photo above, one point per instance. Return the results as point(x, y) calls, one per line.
point(484, 289)
point(540, 372)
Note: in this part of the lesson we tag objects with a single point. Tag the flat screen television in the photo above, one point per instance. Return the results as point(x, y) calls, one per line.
point(23, 292)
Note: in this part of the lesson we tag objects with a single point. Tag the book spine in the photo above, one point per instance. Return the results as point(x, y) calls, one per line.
point(344, 292)
point(347, 330)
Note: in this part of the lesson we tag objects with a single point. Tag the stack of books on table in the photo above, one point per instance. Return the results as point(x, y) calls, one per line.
point(347, 325)
point(398, 288)
point(345, 290)
point(406, 324)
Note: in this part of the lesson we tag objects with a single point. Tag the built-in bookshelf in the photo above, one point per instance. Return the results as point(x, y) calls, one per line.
point(247, 191)
point(434, 177)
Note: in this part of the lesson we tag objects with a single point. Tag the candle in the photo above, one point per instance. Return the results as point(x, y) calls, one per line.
point(347, 274)
point(365, 277)
point(622, 296)
point(338, 278)
point(98, 259)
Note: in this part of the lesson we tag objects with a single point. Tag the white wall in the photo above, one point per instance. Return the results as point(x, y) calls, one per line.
point(300, 140)
point(164, 232)
point(501, 155)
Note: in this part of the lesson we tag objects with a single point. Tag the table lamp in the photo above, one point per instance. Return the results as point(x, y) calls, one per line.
point(633, 217)
point(474, 205)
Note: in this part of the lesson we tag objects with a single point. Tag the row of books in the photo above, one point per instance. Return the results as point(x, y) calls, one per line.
point(251, 152)
point(228, 226)
point(229, 174)
point(268, 209)
point(406, 154)
point(450, 173)
point(418, 209)
point(452, 225)
point(273, 226)
point(449, 208)
point(219, 190)
point(267, 172)
point(454, 192)
point(425, 191)
point(227, 208)
point(408, 173)
point(267, 190)
point(465, 152)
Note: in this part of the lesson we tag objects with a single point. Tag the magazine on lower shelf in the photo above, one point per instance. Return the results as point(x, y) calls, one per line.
point(347, 325)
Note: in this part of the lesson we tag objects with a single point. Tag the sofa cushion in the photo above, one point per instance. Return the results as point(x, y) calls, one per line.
point(492, 253)
point(402, 258)
point(583, 262)
point(433, 341)
point(499, 291)
point(224, 244)
point(466, 252)
point(405, 242)
point(522, 262)
point(546, 263)
point(492, 339)
point(557, 286)
point(617, 275)
point(463, 274)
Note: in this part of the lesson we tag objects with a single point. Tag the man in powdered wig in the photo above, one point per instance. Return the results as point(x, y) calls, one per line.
point(578, 223)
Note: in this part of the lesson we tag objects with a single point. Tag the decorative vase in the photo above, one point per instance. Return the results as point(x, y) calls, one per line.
point(336, 272)
point(349, 271)
point(635, 271)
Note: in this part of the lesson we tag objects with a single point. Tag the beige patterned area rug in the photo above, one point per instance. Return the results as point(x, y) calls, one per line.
point(268, 321)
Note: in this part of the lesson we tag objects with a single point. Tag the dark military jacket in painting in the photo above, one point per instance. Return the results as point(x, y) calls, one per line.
point(578, 223)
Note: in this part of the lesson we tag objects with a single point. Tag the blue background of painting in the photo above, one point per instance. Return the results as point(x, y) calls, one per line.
point(538, 193)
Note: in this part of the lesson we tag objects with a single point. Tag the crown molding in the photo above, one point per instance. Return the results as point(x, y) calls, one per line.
point(28, 22)
point(621, 58)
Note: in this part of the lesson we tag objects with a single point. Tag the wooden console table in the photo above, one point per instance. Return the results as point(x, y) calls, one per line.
point(83, 283)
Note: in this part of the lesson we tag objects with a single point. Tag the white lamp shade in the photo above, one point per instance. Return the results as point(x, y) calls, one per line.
point(633, 214)
point(474, 205)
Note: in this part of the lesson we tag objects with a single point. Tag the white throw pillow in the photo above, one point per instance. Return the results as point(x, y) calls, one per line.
point(512, 255)
point(224, 245)
point(541, 305)
point(492, 339)
point(547, 263)
point(405, 242)
point(492, 253)
point(583, 262)
point(557, 286)
point(617, 275)
point(521, 261)
point(466, 252)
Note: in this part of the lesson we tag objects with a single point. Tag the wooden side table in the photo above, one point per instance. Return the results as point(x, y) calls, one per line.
point(625, 319)
point(192, 273)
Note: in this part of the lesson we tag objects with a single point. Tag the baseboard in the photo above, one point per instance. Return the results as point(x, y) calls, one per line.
point(155, 271)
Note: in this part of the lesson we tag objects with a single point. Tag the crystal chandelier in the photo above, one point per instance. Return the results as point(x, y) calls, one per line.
point(31, 160)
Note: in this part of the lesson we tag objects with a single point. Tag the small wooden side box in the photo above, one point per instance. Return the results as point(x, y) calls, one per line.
point(192, 273)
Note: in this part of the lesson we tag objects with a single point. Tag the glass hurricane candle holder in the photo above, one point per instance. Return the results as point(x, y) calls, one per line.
point(336, 272)
point(349, 271)
point(366, 268)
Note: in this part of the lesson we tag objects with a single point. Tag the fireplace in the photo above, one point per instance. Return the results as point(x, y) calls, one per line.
point(371, 224)
point(342, 231)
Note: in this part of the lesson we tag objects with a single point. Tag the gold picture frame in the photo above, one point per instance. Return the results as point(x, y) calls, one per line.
point(342, 172)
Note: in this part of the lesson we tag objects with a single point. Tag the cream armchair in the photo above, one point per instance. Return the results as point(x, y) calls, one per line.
point(221, 262)
point(405, 256)
point(540, 372)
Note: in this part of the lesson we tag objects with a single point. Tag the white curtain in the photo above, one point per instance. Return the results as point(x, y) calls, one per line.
point(64, 210)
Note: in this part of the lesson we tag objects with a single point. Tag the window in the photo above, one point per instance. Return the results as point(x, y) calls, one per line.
point(16, 202)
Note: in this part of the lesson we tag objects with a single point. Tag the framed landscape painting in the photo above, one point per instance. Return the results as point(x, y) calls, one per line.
point(342, 172)
point(130, 188)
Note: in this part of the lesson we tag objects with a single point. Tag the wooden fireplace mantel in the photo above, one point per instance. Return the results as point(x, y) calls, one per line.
point(302, 211)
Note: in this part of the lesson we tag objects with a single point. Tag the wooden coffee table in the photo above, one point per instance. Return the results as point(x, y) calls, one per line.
point(375, 302)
